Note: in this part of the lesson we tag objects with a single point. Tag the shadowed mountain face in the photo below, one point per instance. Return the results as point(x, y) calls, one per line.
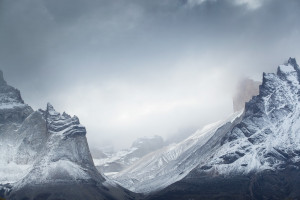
point(275, 185)
point(259, 157)
point(45, 155)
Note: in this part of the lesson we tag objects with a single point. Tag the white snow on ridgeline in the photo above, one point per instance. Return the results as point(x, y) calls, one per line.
point(265, 137)
point(269, 137)
point(166, 166)
point(289, 72)
point(46, 147)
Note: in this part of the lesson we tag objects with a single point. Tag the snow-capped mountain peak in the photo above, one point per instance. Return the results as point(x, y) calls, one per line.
point(51, 111)
point(45, 154)
point(265, 137)
point(269, 129)
point(63, 124)
point(256, 158)
point(293, 62)
point(12, 107)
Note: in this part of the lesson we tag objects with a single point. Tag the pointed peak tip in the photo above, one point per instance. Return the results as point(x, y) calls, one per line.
point(50, 107)
point(293, 62)
point(50, 110)
point(291, 59)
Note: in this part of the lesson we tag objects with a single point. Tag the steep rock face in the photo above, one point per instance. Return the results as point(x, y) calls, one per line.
point(34, 135)
point(268, 135)
point(45, 155)
point(12, 107)
point(112, 164)
point(65, 154)
point(259, 157)
point(13, 112)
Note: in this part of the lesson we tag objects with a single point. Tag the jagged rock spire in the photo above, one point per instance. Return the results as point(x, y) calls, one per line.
point(9, 94)
point(12, 107)
point(2, 81)
point(293, 62)
point(50, 107)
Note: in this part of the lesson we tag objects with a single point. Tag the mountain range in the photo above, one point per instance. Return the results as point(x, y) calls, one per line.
point(253, 154)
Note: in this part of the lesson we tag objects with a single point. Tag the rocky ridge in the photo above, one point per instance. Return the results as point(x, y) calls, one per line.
point(259, 157)
point(45, 154)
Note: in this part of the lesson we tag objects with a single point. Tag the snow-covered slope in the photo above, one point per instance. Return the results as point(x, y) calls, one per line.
point(265, 137)
point(45, 155)
point(115, 162)
point(269, 134)
point(259, 157)
point(169, 164)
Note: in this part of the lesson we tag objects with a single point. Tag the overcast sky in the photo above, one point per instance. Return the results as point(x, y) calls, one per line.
point(132, 68)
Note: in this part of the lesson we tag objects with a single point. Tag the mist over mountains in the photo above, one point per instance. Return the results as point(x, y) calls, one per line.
point(253, 154)
point(150, 100)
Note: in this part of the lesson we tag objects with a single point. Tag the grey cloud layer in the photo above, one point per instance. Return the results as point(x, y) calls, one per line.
point(54, 50)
